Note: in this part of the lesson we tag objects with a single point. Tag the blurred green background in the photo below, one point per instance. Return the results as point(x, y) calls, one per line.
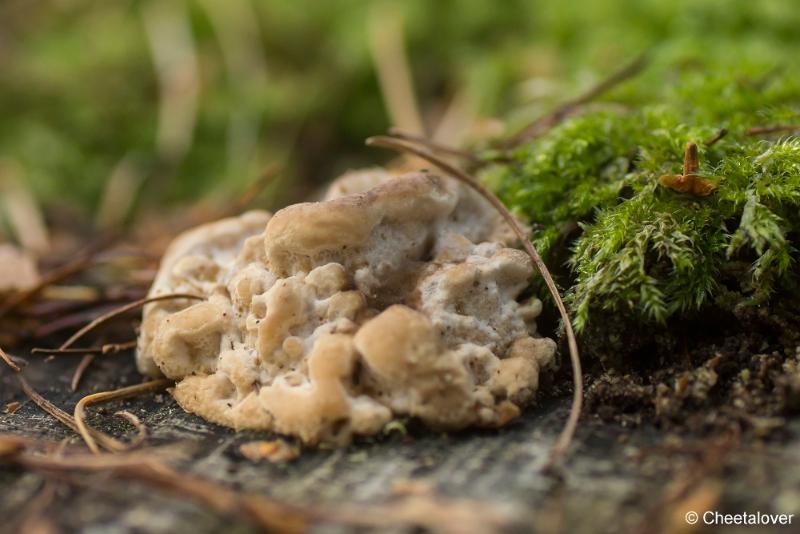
point(194, 98)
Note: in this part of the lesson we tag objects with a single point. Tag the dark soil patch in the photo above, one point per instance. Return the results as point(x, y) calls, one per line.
point(735, 373)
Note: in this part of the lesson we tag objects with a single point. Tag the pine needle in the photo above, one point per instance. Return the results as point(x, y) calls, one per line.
point(434, 146)
point(546, 122)
point(428, 512)
point(73, 267)
point(66, 419)
point(119, 311)
point(763, 130)
point(87, 433)
point(84, 364)
point(137, 424)
point(568, 431)
point(83, 260)
point(6, 358)
point(109, 348)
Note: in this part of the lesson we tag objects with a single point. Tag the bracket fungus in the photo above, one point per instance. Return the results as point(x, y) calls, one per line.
point(395, 296)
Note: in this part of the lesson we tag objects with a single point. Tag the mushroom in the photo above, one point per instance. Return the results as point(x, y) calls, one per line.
point(394, 297)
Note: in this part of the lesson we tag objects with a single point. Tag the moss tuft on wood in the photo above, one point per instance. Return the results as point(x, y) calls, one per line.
point(590, 190)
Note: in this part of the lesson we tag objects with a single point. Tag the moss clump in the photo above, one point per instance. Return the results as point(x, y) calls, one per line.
point(590, 190)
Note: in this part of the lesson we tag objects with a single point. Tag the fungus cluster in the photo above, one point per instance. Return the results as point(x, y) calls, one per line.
point(392, 297)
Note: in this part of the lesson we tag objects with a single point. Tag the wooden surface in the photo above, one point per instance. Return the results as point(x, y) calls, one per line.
point(616, 480)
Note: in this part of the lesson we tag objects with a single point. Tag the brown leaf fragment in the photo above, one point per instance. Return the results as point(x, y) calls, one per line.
point(11, 407)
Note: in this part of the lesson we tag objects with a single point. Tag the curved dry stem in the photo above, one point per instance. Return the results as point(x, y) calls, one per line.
point(89, 434)
point(66, 419)
point(119, 311)
point(59, 414)
point(137, 424)
point(568, 431)
point(434, 146)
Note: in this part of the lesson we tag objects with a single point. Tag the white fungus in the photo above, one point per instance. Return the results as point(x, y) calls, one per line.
point(393, 297)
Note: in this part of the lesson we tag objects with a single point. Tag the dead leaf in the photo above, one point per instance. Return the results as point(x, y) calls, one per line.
point(11, 407)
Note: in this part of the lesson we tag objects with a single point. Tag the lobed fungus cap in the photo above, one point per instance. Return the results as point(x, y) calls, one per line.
point(331, 318)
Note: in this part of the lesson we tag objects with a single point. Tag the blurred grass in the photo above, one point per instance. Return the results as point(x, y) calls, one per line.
point(294, 81)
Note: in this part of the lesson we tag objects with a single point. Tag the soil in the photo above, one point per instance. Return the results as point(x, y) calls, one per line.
point(716, 374)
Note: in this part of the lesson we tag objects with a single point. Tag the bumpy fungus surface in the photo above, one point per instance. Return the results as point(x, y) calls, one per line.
point(331, 318)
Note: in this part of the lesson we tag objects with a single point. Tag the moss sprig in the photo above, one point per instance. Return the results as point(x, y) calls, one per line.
point(591, 193)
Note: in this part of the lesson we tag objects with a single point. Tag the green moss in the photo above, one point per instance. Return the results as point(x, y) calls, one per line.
point(590, 190)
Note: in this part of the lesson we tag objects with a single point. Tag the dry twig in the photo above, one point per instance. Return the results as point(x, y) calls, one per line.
point(84, 364)
point(565, 437)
